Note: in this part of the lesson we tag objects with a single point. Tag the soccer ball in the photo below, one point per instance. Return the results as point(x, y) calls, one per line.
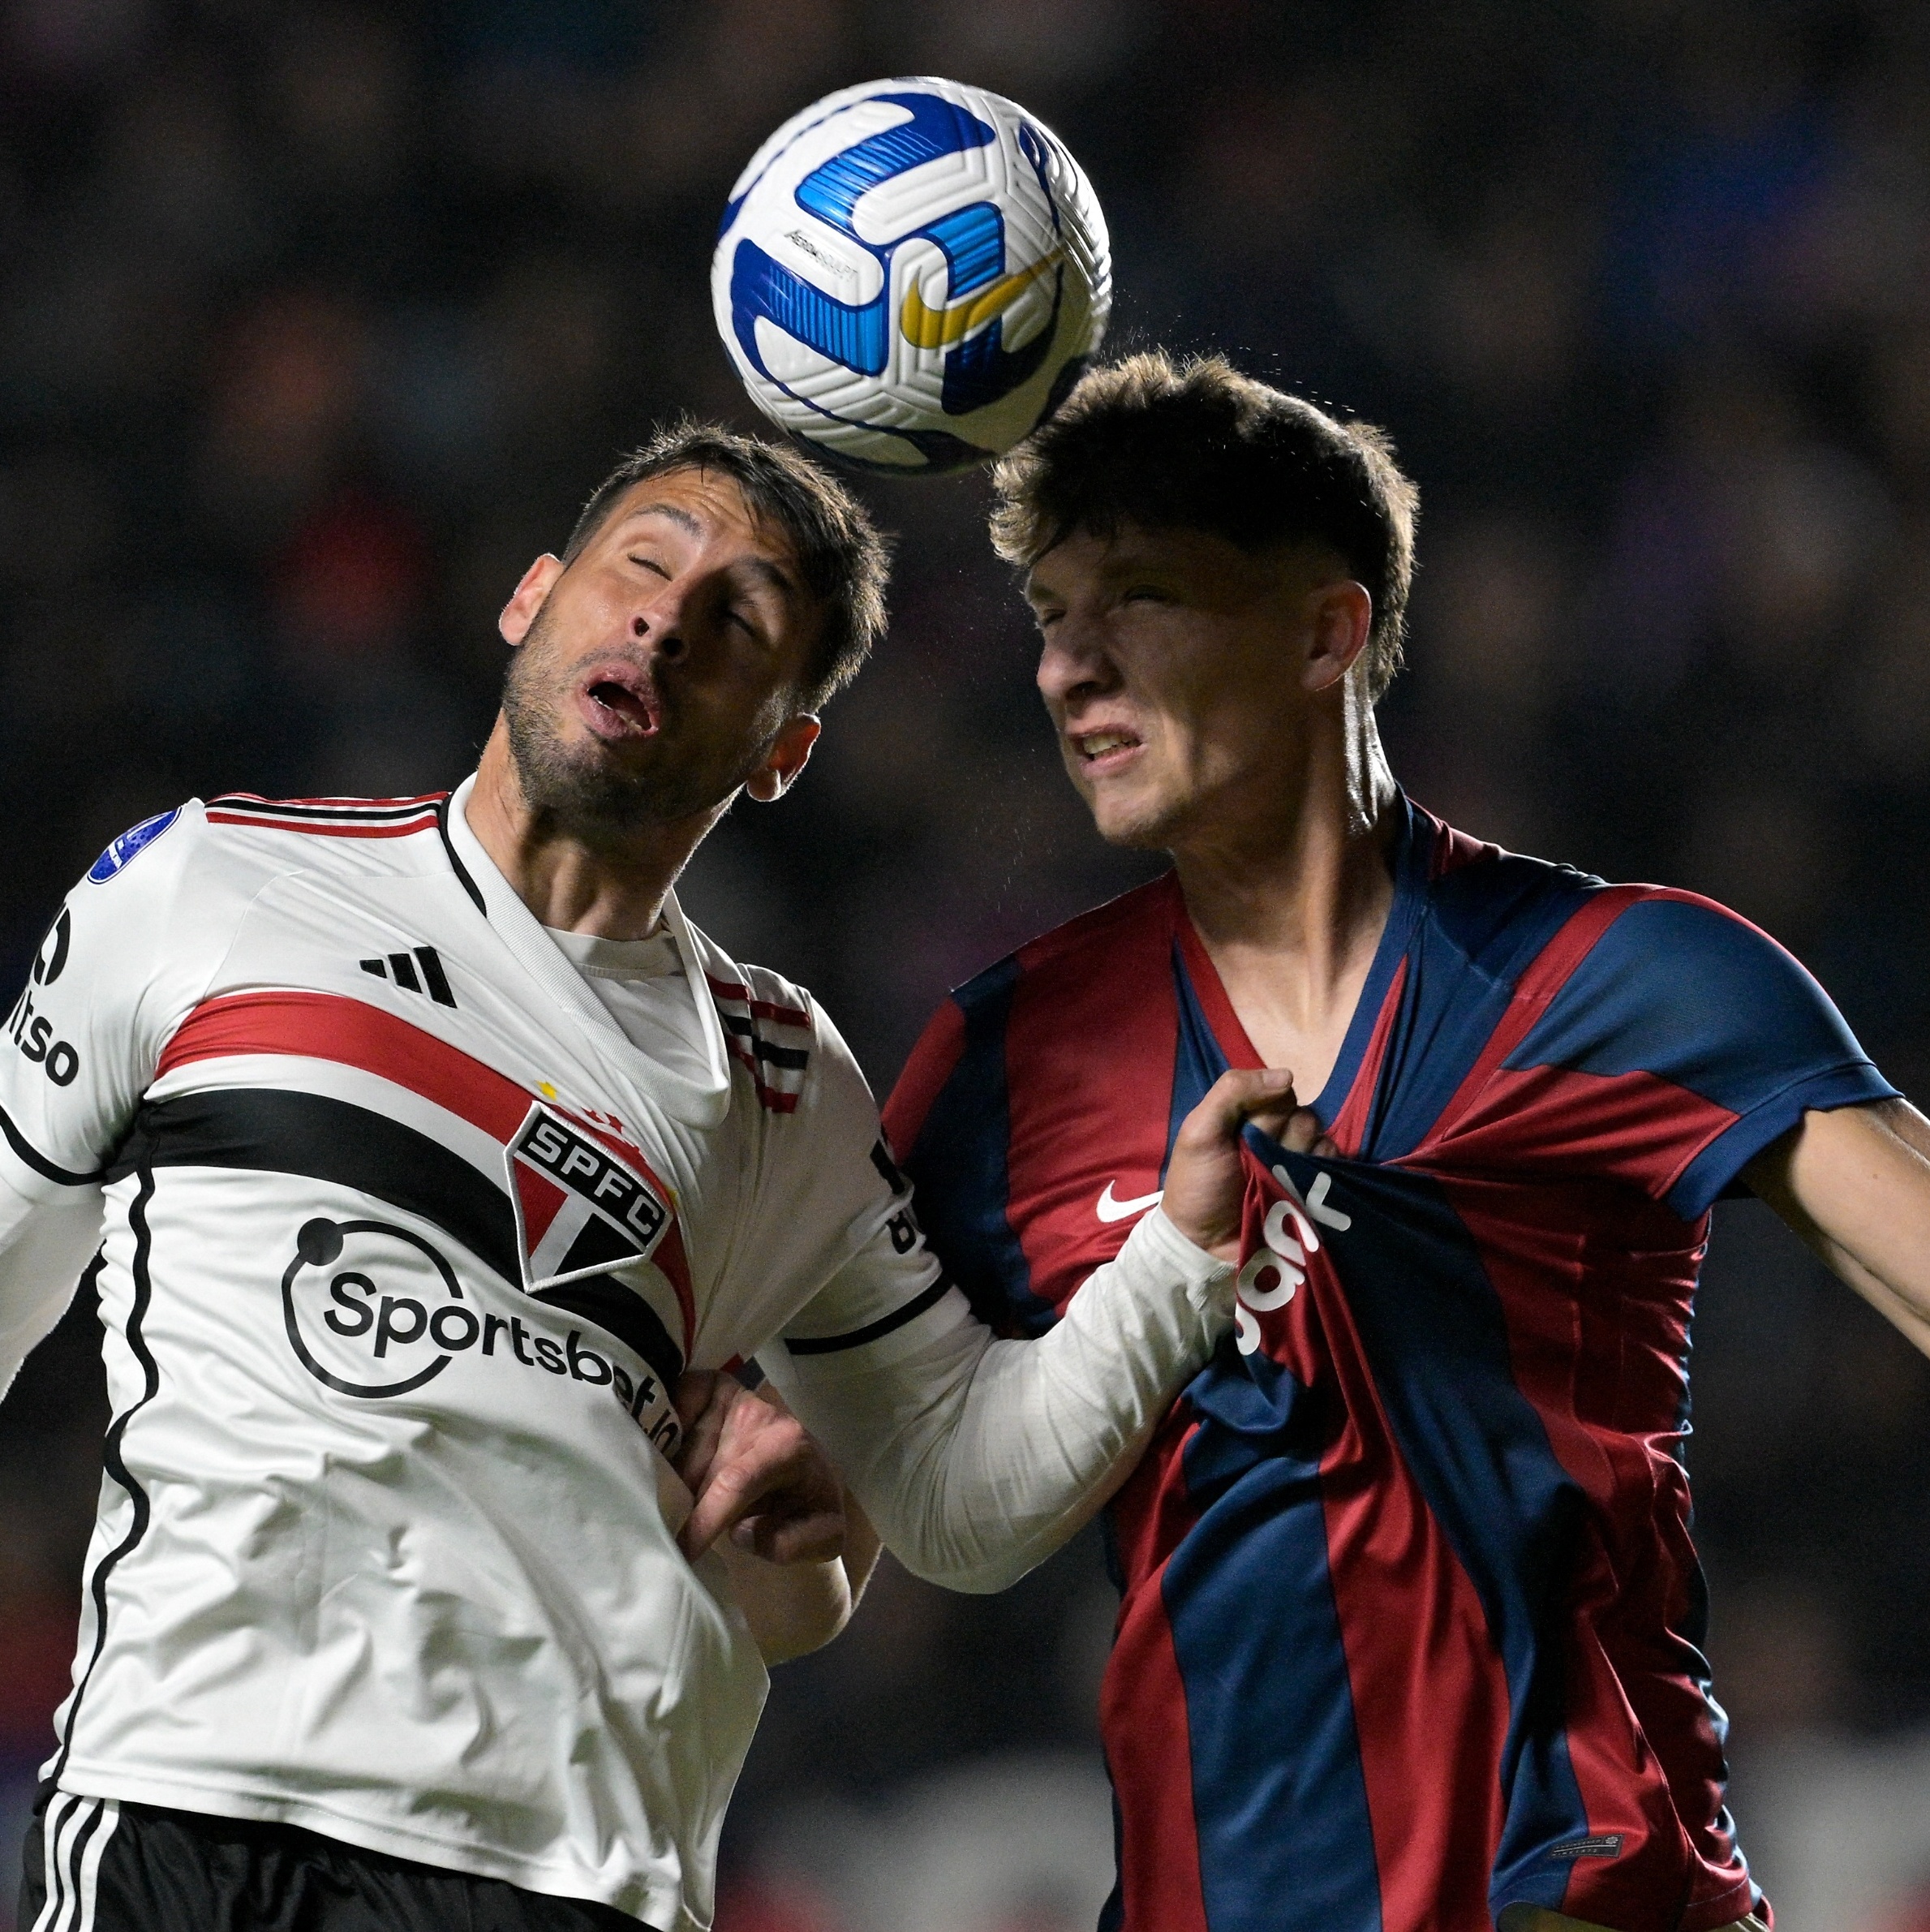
point(910, 274)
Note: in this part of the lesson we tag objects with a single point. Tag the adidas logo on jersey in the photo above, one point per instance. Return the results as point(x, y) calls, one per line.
point(414, 972)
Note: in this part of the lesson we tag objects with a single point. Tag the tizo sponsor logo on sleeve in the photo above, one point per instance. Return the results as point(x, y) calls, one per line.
point(26, 1026)
point(374, 1311)
point(50, 961)
point(129, 847)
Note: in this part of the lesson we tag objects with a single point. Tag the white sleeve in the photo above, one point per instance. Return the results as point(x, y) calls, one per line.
point(76, 1052)
point(975, 1457)
point(46, 1244)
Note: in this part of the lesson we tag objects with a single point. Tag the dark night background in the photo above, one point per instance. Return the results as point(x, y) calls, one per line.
point(318, 321)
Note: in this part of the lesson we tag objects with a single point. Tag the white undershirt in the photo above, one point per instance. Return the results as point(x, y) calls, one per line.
point(644, 988)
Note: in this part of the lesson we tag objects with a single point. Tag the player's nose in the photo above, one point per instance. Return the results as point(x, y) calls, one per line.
point(660, 622)
point(1072, 664)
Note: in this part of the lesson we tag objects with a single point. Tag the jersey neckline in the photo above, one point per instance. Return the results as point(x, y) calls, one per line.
point(551, 967)
point(1410, 863)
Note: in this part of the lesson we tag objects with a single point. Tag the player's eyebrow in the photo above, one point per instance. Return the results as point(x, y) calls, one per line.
point(675, 512)
point(772, 573)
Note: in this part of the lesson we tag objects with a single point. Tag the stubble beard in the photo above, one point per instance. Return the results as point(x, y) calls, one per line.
point(587, 793)
point(1146, 825)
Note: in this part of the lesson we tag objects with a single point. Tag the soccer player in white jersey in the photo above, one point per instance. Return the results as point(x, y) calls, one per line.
point(422, 1146)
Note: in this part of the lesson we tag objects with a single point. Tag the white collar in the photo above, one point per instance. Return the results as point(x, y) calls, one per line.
point(541, 957)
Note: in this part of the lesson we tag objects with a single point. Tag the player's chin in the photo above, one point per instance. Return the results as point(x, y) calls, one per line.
point(1134, 824)
point(1117, 816)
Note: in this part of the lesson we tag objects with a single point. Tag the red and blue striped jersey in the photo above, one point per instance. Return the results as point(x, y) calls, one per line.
point(1412, 1625)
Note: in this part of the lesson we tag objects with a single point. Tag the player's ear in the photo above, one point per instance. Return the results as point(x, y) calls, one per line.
point(1342, 616)
point(520, 612)
point(789, 753)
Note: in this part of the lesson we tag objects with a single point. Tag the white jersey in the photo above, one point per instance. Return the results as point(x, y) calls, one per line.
point(404, 1243)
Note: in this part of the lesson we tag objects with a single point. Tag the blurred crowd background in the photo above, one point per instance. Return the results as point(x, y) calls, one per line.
point(318, 321)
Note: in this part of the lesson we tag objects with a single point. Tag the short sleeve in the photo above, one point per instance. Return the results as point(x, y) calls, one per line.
point(78, 1048)
point(844, 1250)
point(109, 982)
point(949, 1119)
point(1683, 1042)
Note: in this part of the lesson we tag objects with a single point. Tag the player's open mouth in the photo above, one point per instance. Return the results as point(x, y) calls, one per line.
point(1100, 751)
point(618, 703)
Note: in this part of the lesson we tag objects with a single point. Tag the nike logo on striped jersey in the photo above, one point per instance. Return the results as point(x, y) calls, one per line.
point(1111, 1208)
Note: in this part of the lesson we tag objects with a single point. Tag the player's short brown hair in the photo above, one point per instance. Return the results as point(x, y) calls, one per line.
point(841, 555)
point(1197, 446)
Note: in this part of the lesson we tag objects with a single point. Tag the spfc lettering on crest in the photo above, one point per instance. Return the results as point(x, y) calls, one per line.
point(580, 1207)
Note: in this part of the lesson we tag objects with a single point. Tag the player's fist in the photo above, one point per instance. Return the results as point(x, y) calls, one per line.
point(756, 1473)
point(1204, 1184)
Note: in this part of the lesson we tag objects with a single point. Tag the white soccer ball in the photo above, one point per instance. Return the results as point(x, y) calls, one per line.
point(910, 274)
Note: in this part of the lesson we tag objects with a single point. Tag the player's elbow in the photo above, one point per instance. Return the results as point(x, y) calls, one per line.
point(778, 1641)
point(972, 1571)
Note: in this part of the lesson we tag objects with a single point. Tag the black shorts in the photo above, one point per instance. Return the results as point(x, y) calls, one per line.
point(116, 1867)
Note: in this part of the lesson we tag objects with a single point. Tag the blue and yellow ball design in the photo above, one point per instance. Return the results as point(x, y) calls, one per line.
point(910, 272)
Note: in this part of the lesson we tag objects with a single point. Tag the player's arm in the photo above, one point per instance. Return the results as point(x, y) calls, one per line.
point(1855, 1183)
point(793, 1608)
point(77, 1050)
point(977, 1457)
point(50, 1184)
point(801, 1550)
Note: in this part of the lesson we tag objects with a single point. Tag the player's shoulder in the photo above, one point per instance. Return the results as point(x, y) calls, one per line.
point(778, 1037)
point(235, 840)
point(1548, 922)
point(196, 867)
point(1140, 921)
point(1495, 907)
point(1093, 977)
point(1659, 949)
point(356, 835)
point(158, 866)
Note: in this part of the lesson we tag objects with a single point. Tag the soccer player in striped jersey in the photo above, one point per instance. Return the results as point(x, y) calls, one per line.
point(432, 1157)
point(1412, 1634)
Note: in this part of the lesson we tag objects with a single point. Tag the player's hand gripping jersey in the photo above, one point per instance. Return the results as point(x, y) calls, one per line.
point(404, 1243)
point(1411, 1626)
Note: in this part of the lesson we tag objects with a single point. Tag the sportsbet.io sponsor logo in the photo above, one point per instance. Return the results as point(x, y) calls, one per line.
point(374, 1311)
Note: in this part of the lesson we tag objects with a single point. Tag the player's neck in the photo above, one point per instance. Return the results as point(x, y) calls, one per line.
point(1290, 901)
point(613, 891)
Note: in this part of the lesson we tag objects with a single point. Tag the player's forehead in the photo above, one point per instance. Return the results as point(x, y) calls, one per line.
point(1086, 559)
point(703, 511)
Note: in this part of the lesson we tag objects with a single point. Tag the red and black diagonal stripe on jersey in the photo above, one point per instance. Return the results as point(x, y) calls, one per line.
point(329, 818)
point(286, 1130)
